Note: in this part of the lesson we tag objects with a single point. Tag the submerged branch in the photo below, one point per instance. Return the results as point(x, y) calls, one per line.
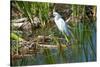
point(51, 46)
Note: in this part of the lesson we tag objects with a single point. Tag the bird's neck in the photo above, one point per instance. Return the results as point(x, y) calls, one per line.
point(56, 18)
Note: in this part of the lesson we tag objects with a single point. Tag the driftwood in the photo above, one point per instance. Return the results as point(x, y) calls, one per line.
point(19, 20)
point(17, 25)
point(25, 24)
point(17, 56)
point(51, 46)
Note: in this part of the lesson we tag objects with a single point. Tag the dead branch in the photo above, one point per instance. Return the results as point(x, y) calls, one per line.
point(17, 25)
point(51, 46)
point(19, 20)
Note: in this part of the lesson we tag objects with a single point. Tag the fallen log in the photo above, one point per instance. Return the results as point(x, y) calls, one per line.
point(17, 25)
point(19, 20)
point(51, 46)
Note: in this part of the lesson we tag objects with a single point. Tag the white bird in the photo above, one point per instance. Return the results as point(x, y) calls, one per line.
point(61, 24)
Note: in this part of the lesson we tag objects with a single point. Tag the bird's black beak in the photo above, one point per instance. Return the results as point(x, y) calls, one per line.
point(50, 14)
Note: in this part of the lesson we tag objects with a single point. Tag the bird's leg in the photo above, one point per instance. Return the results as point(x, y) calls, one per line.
point(67, 40)
point(66, 37)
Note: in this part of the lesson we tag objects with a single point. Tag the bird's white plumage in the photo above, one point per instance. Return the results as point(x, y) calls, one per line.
point(61, 24)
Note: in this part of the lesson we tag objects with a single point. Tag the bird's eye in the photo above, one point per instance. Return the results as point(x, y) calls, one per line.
point(54, 14)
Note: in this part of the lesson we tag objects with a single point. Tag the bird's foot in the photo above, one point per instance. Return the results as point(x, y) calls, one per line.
point(68, 44)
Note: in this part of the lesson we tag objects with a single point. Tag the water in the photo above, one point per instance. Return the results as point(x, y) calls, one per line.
point(82, 51)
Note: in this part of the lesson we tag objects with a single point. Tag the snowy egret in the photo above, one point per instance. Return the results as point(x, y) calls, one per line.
point(61, 24)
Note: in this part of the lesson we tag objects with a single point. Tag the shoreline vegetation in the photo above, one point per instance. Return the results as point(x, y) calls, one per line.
point(35, 39)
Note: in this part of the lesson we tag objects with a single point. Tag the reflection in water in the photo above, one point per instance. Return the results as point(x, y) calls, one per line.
point(84, 50)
